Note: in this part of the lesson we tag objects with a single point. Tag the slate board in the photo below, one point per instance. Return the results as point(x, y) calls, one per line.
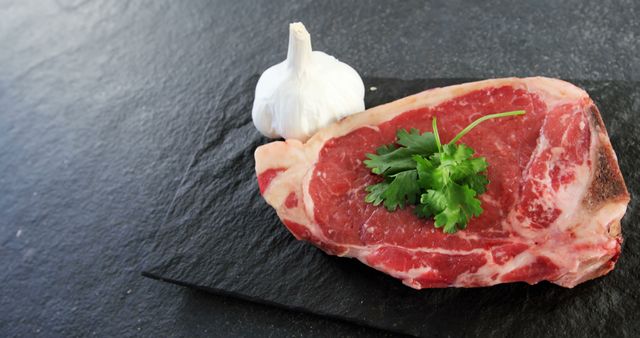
point(220, 236)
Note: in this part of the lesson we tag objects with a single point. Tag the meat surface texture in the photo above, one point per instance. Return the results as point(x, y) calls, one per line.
point(552, 209)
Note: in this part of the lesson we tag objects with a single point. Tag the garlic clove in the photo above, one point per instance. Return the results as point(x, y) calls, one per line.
point(262, 113)
point(307, 91)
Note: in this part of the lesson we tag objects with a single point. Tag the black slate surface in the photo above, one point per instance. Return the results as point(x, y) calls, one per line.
point(103, 103)
point(220, 236)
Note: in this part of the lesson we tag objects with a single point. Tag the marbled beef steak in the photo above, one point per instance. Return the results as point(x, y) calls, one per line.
point(551, 212)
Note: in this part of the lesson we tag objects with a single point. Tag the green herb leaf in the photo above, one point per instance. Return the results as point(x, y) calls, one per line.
point(441, 180)
point(402, 189)
point(435, 199)
point(375, 193)
point(452, 205)
point(425, 170)
point(476, 182)
point(390, 160)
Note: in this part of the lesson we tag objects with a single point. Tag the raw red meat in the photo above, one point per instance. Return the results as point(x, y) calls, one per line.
point(552, 208)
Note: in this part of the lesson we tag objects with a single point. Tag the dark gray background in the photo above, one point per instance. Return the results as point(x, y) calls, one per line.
point(103, 102)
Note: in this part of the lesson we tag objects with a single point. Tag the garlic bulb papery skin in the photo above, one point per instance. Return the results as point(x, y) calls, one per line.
point(307, 91)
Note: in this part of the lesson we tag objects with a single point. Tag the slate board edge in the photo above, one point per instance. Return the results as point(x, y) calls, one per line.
point(222, 292)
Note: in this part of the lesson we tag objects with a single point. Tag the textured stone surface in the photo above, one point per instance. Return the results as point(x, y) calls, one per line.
point(222, 237)
point(103, 105)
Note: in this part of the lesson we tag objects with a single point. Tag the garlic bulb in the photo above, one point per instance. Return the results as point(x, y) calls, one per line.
point(307, 91)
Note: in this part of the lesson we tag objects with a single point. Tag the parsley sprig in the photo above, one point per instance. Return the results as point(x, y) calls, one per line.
point(443, 181)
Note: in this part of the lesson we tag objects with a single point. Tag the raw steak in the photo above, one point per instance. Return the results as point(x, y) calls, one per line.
point(551, 212)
